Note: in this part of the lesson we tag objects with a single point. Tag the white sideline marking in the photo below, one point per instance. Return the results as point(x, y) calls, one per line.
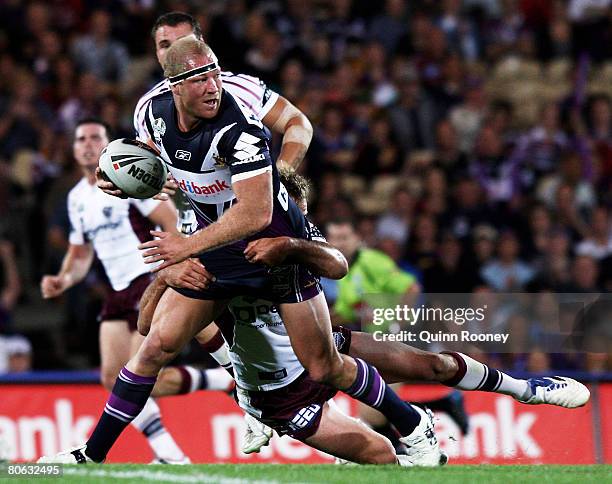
point(163, 476)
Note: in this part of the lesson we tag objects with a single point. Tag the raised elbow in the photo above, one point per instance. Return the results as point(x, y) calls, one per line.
point(339, 268)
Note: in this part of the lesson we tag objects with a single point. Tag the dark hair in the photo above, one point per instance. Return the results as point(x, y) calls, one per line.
point(92, 120)
point(298, 187)
point(172, 19)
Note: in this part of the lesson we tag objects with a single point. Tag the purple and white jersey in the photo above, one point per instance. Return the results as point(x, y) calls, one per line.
point(114, 226)
point(251, 91)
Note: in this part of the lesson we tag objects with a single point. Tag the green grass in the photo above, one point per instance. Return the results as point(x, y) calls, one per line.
point(324, 474)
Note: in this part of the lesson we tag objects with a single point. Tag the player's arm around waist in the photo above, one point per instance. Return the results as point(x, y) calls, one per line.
point(321, 258)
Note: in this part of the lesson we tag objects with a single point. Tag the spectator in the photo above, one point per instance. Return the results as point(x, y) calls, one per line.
point(507, 273)
point(15, 354)
point(599, 244)
point(394, 224)
point(414, 115)
point(98, 53)
point(10, 284)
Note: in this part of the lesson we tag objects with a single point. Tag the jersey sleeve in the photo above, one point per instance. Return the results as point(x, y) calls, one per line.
point(145, 207)
point(245, 150)
point(268, 99)
point(252, 91)
point(77, 234)
point(141, 131)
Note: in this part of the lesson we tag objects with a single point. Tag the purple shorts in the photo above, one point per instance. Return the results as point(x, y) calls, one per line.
point(124, 305)
point(296, 409)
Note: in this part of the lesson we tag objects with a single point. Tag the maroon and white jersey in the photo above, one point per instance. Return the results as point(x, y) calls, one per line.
point(251, 91)
point(114, 226)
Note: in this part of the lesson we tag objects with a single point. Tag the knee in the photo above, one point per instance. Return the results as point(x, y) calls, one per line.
point(325, 370)
point(380, 451)
point(157, 349)
point(442, 367)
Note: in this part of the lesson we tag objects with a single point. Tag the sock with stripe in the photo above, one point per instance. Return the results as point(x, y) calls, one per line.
point(218, 349)
point(473, 375)
point(149, 423)
point(125, 402)
point(371, 389)
point(194, 379)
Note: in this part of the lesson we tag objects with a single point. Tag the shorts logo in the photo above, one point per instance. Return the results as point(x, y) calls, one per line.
point(107, 211)
point(246, 147)
point(305, 416)
point(182, 155)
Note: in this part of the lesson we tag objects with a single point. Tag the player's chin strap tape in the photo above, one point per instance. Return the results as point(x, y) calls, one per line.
point(198, 71)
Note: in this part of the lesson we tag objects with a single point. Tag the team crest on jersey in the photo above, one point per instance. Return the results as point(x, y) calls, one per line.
point(107, 211)
point(219, 161)
point(159, 129)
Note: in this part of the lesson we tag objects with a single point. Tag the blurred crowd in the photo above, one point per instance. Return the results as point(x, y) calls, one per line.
point(469, 140)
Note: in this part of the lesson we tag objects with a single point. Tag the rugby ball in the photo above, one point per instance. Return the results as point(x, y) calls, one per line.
point(133, 167)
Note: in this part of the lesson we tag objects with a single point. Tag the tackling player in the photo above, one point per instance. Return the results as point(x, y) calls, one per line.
point(260, 346)
point(111, 228)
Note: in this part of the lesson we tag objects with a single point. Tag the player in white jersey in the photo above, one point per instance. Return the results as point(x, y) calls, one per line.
point(270, 380)
point(112, 228)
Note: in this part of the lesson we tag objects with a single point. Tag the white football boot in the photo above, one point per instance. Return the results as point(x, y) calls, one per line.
point(422, 444)
point(557, 390)
point(76, 455)
point(257, 435)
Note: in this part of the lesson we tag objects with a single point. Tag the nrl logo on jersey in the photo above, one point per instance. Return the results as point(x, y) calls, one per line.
point(159, 129)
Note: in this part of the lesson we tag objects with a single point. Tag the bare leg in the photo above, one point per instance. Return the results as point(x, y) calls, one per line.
point(309, 329)
point(349, 439)
point(398, 362)
point(114, 350)
point(177, 319)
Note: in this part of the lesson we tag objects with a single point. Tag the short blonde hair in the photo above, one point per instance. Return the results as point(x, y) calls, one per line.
point(181, 51)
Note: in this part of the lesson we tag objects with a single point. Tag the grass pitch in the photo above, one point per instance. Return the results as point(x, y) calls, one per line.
point(324, 474)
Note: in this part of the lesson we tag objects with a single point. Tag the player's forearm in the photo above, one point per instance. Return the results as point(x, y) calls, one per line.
point(75, 267)
point(296, 140)
point(242, 220)
point(323, 259)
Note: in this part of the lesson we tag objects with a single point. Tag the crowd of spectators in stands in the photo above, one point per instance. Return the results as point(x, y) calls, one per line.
point(469, 140)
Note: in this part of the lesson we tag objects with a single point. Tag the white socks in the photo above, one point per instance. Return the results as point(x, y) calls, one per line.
point(149, 423)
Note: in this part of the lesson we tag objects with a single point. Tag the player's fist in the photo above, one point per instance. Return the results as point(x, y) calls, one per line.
point(170, 188)
point(271, 252)
point(189, 274)
point(51, 286)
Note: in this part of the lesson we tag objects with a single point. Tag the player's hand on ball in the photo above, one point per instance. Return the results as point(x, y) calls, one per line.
point(271, 252)
point(170, 248)
point(107, 186)
point(170, 188)
point(51, 286)
point(189, 274)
